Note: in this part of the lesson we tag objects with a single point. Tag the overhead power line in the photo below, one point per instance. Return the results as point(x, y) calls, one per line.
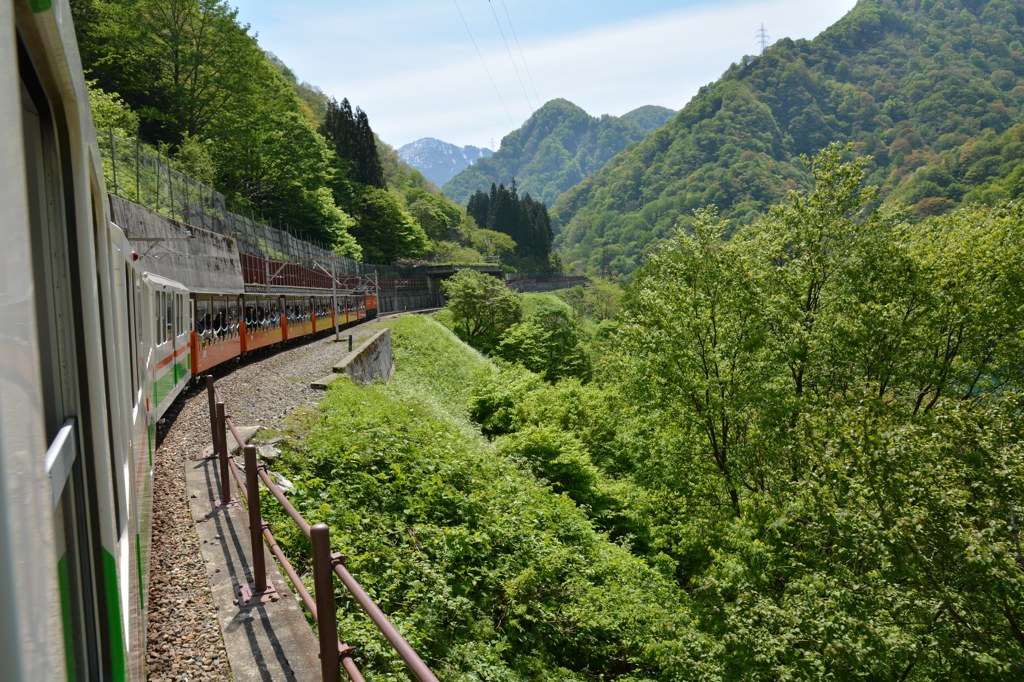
point(482, 61)
point(522, 56)
point(510, 57)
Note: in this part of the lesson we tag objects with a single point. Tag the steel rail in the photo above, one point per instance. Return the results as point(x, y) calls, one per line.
point(334, 562)
point(289, 508)
point(402, 647)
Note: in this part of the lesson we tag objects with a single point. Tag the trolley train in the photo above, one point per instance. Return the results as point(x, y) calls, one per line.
point(93, 349)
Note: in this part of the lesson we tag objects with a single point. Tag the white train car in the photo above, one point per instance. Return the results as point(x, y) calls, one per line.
point(93, 349)
point(76, 412)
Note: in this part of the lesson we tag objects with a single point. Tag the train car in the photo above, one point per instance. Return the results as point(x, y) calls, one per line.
point(93, 350)
point(168, 315)
point(70, 532)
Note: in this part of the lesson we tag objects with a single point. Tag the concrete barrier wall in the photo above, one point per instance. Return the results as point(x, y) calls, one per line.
point(205, 262)
point(371, 360)
point(542, 284)
point(407, 299)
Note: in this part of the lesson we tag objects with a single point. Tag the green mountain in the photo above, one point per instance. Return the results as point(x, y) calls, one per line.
point(650, 116)
point(932, 90)
point(556, 148)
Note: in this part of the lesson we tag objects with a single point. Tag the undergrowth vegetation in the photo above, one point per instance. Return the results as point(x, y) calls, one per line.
point(488, 571)
point(796, 454)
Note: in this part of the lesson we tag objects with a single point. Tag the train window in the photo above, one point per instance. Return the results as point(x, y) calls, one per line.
point(158, 309)
point(169, 322)
point(219, 316)
point(203, 317)
point(139, 336)
point(129, 290)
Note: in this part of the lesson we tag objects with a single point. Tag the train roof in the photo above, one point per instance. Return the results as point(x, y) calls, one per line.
point(165, 282)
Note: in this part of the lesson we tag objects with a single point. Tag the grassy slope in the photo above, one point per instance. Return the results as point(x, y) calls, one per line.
point(490, 574)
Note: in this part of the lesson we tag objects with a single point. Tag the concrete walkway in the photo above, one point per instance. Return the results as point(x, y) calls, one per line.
point(267, 641)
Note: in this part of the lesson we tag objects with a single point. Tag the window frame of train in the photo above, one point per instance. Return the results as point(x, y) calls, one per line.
point(90, 609)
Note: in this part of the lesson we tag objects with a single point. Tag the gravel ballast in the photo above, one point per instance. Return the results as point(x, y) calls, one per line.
point(184, 638)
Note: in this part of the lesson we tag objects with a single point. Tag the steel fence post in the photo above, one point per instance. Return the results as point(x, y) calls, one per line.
point(212, 397)
point(252, 494)
point(222, 453)
point(326, 611)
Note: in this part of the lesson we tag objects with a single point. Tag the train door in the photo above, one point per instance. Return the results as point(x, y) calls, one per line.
point(88, 641)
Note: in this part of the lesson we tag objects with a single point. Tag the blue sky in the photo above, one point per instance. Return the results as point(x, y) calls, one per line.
point(413, 68)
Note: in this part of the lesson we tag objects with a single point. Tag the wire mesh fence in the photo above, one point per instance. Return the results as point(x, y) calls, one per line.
point(271, 256)
point(139, 173)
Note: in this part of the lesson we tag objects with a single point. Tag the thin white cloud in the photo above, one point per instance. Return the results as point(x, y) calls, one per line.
point(414, 88)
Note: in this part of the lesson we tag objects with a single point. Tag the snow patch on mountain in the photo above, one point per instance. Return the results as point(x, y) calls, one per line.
point(440, 161)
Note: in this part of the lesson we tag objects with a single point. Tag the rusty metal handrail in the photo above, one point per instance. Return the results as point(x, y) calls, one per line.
point(324, 562)
point(398, 642)
point(222, 423)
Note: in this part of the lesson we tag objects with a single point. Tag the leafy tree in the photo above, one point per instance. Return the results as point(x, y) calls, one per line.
point(546, 342)
point(179, 63)
point(601, 299)
point(384, 229)
point(482, 306)
point(497, 245)
point(109, 110)
point(438, 217)
point(453, 252)
point(694, 345)
point(199, 82)
point(815, 391)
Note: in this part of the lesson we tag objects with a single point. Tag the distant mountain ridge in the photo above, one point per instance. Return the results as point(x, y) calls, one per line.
point(440, 161)
point(557, 147)
point(650, 116)
point(934, 91)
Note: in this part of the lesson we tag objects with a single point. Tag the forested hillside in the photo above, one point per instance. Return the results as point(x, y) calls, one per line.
point(522, 219)
point(186, 78)
point(556, 148)
point(790, 451)
point(931, 90)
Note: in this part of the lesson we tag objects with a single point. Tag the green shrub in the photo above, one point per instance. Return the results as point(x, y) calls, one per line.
point(487, 572)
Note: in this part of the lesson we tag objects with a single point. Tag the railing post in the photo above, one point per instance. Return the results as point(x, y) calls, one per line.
point(326, 611)
point(252, 495)
point(222, 455)
point(212, 397)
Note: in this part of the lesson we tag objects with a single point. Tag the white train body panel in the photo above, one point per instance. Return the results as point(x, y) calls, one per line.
point(93, 350)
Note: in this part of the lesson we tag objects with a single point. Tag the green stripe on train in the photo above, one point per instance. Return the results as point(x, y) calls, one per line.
point(138, 569)
point(65, 611)
point(118, 670)
point(163, 386)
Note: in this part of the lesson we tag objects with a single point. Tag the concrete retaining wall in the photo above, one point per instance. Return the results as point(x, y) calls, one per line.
point(407, 299)
point(205, 262)
point(542, 284)
point(371, 360)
